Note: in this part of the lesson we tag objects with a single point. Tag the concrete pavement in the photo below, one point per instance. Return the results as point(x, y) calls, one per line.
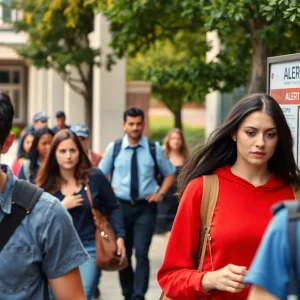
point(109, 285)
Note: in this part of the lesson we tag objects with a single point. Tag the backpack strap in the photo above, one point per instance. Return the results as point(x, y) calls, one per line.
point(208, 204)
point(116, 151)
point(24, 198)
point(209, 200)
point(293, 209)
point(152, 149)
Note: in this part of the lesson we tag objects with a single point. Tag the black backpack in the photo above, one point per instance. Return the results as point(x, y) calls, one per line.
point(293, 213)
point(24, 198)
point(117, 148)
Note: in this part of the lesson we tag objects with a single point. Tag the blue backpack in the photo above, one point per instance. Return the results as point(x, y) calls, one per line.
point(293, 210)
point(117, 148)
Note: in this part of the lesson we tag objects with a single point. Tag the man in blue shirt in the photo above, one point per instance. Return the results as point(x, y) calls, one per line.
point(133, 179)
point(45, 244)
point(270, 270)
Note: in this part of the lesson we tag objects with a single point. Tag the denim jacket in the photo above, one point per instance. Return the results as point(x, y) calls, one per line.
point(45, 243)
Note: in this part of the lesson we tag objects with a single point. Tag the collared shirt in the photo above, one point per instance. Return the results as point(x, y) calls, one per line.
point(45, 243)
point(122, 169)
point(270, 268)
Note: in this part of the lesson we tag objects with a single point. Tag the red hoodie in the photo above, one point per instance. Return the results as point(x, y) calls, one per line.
point(242, 214)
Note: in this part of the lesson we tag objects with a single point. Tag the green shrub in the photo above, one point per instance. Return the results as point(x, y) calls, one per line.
point(159, 127)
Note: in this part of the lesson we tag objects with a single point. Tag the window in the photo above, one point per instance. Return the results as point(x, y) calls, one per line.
point(7, 14)
point(11, 81)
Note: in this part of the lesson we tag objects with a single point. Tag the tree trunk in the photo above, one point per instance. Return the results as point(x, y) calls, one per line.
point(89, 102)
point(258, 81)
point(177, 119)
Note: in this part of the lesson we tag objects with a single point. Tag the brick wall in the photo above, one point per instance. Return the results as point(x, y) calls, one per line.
point(138, 94)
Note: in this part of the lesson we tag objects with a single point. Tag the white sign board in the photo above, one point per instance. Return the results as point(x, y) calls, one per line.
point(284, 87)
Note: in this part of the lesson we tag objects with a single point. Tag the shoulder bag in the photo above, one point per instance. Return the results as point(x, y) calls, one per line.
point(107, 258)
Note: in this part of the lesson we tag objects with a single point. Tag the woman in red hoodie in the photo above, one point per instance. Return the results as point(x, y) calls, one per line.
point(252, 154)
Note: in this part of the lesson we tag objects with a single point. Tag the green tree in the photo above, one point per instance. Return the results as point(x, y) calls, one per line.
point(289, 9)
point(247, 35)
point(58, 39)
point(178, 73)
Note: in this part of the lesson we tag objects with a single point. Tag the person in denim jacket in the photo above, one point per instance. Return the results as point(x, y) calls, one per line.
point(65, 174)
point(45, 244)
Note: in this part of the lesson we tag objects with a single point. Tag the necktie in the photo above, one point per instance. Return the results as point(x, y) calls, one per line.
point(134, 186)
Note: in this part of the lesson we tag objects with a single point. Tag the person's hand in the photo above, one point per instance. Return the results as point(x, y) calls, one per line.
point(229, 279)
point(72, 201)
point(121, 249)
point(154, 197)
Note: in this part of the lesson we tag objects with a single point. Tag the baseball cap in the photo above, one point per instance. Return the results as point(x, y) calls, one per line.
point(80, 130)
point(60, 114)
point(40, 116)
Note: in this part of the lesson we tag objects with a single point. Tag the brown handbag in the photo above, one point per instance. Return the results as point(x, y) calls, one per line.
point(107, 258)
point(208, 204)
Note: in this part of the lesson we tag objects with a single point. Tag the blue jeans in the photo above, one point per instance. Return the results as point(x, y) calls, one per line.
point(139, 223)
point(89, 272)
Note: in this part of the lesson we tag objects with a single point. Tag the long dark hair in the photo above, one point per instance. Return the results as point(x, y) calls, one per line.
point(34, 154)
point(220, 149)
point(21, 152)
point(49, 177)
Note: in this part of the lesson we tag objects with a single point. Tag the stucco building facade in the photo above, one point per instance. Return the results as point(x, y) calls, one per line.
point(34, 90)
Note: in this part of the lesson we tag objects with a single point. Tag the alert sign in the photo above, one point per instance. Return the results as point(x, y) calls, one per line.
point(284, 86)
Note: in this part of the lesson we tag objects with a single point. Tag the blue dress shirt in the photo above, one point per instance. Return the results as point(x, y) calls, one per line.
point(44, 243)
point(122, 169)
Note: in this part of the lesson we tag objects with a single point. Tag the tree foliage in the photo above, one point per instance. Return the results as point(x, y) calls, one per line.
point(248, 35)
point(56, 42)
point(290, 9)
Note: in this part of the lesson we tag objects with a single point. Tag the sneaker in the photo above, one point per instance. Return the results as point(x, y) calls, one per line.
point(96, 294)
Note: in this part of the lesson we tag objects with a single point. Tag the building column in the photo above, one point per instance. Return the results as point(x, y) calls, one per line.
point(109, 90)
point(32, 93)
point(74, 105)
point(42, 83)
point(55, 96)
point(213, 99)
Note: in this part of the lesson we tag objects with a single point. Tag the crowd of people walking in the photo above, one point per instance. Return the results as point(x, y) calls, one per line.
point(137, 184)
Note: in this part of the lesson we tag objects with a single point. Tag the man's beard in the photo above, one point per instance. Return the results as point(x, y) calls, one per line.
point(135, 137)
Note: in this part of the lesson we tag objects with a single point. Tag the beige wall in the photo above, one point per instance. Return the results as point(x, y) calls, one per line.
point(109, 92)
point(47, 92)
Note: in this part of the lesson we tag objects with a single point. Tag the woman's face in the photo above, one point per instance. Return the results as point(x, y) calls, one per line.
point(44, 143)
point(175, 141)
point(256, 139)
point(67, 154)
point(28, 142)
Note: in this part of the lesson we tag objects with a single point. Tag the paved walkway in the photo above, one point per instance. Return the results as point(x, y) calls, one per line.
point(109, 286)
